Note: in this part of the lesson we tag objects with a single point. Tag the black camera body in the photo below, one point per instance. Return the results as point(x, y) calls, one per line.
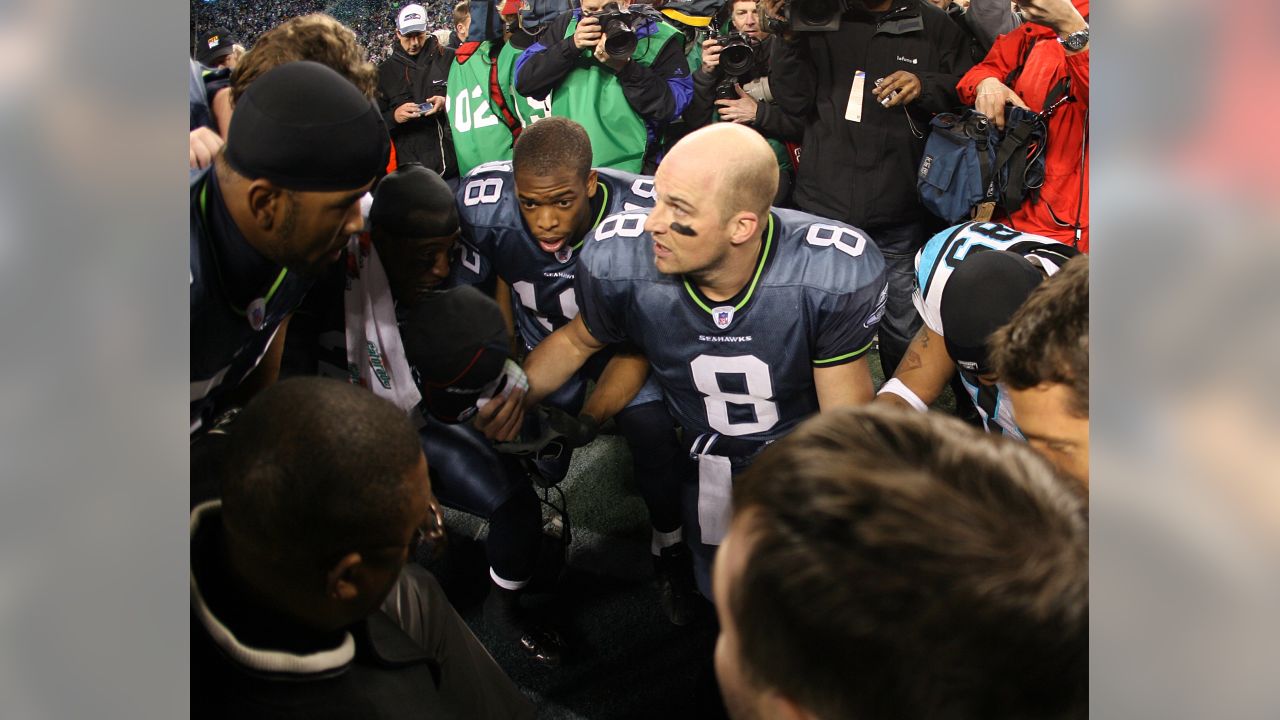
point(808, 16)
point(620, 27)
point(726, 90)
point(738, 53)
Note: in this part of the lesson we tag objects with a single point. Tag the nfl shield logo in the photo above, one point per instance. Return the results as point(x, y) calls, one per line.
point(723, 315)
point(564, 254)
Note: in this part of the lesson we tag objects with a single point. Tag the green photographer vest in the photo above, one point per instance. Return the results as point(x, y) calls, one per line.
point(593, 97)
point(479, 135)
point(526, 109)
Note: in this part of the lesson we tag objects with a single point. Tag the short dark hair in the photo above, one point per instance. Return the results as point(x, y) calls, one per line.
point(316, 467)
point(1047, 339)
point(317, 37)
point(550, 145)
point(903, 564)
point(461, 12)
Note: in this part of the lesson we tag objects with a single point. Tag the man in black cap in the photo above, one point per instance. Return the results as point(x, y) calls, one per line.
point(970, 279)
point(216, 49)
point(274, 210)
point(302, 605)
point(411, 94)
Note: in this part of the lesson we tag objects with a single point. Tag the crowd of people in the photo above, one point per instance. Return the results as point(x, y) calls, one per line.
point(426, 283)
point(371, 20)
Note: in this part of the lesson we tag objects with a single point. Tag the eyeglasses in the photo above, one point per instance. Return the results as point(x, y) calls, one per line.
point(427, 542)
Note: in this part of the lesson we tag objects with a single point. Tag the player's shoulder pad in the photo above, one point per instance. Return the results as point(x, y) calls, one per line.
point(619, 247)
point(627, 191)
point(955, 243)
point(486, 196)
point(825, 254)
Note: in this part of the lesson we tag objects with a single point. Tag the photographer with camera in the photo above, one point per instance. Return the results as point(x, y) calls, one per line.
point(732, 85)
point(867, 76)
point(618, 71)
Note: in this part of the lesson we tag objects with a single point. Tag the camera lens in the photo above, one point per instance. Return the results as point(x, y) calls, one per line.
point(737, 58)
point(619, 39)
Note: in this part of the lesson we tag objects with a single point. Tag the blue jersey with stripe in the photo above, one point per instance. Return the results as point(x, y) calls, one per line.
point(941, 256)
point(743, 368)
point(495, 239)
point(225, 347)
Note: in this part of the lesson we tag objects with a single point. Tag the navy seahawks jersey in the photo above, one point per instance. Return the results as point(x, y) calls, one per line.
point(496, 240)
point(228, 341)
point(940, 257)
point(741, 368)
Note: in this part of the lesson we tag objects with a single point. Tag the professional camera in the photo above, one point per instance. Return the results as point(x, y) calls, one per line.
point(738, 55)
point(620, 27)
point(808, 16)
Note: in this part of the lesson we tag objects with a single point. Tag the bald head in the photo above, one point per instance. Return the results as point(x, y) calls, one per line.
point(742, 164)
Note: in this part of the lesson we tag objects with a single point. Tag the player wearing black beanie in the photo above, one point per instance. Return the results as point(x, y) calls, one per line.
point(276, 208)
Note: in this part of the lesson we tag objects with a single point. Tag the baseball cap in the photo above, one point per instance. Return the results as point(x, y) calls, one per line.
point(456, 341)
point(304, 127)
point(982, 294)
point(412, 19)
point(217, 43)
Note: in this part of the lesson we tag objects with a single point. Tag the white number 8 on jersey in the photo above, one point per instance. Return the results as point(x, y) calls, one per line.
point(759, 394)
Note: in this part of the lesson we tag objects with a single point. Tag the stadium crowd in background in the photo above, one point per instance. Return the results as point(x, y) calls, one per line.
point(700, 225)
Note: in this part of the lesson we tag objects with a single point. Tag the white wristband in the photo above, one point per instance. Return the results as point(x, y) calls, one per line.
point(899, 388)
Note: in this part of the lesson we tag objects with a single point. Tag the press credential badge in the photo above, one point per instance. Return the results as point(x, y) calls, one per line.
point(854, 110)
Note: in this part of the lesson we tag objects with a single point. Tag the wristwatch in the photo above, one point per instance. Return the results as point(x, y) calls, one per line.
point(1076, 41)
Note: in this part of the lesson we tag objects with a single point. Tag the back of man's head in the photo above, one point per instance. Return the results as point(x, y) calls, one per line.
point(550, 146)
point(316, 37)
point(314, 468)
point(904, 565)
point(1047, 339)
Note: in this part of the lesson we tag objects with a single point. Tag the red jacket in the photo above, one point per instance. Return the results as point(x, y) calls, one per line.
point(1065, 195)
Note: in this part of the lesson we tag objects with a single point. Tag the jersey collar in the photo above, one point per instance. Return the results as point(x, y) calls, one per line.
point(603, 199)
point(737, 302)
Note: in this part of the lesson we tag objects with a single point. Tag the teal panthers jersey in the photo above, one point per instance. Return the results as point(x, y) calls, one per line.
point(495, 239)
point(940, 257)
point(741, 368)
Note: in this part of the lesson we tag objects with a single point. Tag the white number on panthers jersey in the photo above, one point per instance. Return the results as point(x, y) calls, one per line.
point(568, 303)
point(641, 188)
point(463, 118)
point(823, 235)
point(482, 191)
point(759, 394)
point(626, 225)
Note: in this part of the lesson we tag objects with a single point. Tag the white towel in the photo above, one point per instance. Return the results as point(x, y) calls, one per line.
point(375, 354)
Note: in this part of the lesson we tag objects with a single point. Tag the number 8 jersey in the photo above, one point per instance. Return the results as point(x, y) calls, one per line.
point(742, 368)
point(495, 239)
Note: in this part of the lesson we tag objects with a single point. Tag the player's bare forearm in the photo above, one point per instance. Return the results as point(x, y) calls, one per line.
point(557, 358)
point(843, 385)
point(621, 380)
point(926, 368)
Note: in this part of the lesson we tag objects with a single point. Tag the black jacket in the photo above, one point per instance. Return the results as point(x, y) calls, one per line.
point(865, 173)
point(373, 669)
point(403, 79)
point(771, 121)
